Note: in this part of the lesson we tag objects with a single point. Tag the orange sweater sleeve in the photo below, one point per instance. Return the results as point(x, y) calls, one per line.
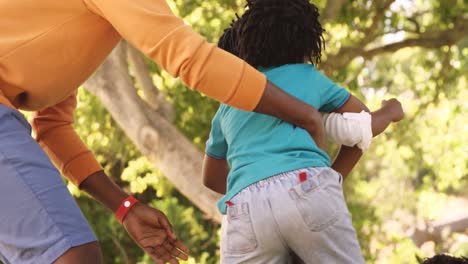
point(54, 132)
point(150, 26)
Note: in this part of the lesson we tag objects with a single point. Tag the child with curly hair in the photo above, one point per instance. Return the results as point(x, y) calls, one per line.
point(282, 194)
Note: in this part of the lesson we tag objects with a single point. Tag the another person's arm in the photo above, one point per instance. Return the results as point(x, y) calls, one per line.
point(215, 172)
point(151, 26)
point(54, 132)
point(357, 129)
point(215, 166)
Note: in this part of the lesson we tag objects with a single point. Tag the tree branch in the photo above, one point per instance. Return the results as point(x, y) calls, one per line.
point(417, 26)
point(371, 33)
point(153, 97)
point(436, 232)
point(347, 54)
point(429, 39)
point(142, 76)
point(332, 9)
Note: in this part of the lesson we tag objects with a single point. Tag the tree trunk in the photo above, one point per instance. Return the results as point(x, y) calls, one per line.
point(153, 135)
point(436, 232)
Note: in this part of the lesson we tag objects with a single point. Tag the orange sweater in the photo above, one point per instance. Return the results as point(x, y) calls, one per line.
point(49, 47)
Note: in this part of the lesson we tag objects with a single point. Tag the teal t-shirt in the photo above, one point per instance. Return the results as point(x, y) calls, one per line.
point(258, 146)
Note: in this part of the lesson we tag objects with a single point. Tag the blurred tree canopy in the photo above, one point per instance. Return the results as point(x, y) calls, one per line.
point(407, 195)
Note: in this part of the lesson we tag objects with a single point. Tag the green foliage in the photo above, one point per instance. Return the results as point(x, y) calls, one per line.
point(137, 175)
point(194, 111)
point(407, 177)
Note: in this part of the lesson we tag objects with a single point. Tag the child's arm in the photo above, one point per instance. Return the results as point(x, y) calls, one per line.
point(215, 166)
point(347, 157)
point(351, 129)
point(391, 111)
point(215, 172)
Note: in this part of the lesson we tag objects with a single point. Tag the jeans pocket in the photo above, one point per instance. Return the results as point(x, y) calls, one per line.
point(317, 207)
point(238, 234)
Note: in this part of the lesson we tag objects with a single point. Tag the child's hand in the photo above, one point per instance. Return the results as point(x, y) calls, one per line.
point(394, 109)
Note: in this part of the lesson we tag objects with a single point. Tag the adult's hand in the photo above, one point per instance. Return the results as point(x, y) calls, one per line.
point(316, 130)
point(152, 232)
point(280, 104)
point(149, 227)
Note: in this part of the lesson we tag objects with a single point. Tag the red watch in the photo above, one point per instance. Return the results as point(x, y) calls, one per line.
point(124, 207)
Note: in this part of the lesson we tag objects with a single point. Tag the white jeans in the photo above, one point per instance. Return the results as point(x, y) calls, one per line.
point(269, 219)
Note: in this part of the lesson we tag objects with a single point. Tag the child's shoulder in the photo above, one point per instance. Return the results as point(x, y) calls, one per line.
point(297, 67)
point(287, 72)
point(224, 109)
point(301, 72)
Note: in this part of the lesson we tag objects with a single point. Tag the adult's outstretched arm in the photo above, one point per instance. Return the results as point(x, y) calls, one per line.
point(149, 227)
point(151, 27)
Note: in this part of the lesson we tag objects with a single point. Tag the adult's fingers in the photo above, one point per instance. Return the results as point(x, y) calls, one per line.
point(154, 239)
point(152, 253)
point(174, 251)
point(174, 261)
point(164, 222)
point(160, 254)
point(158, 261)
point(181, 247)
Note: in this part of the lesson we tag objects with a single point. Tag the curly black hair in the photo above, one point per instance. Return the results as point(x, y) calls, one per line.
point(228, 40)
point(276, 32)
point(446, 259)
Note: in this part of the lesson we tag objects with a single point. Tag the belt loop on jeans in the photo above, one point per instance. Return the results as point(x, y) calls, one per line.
point(244, 208)
point(238, 209)
point(300, 189)
point(232, 210)
point(305, 185)
point(293, 194)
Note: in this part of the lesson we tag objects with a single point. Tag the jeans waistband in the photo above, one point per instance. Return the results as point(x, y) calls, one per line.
point(5, 110)
point(285, 176)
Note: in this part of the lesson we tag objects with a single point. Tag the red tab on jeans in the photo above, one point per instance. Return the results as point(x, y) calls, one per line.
point(302, 177)
point(229, 203)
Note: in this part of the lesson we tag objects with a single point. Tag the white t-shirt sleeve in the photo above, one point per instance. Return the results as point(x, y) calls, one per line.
point(349, 129)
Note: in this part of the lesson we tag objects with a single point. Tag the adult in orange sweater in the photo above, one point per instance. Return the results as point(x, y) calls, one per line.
point(47, 49)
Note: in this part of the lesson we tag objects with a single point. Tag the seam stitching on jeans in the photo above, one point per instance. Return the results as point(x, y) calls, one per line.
point(278, 230)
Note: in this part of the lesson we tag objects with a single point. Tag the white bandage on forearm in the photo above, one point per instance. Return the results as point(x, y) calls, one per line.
point(349, 129)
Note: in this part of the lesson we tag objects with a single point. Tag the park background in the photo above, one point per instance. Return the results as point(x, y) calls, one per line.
point(409, 194)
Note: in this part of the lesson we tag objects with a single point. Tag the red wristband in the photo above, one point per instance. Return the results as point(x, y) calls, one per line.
point(124, 207)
